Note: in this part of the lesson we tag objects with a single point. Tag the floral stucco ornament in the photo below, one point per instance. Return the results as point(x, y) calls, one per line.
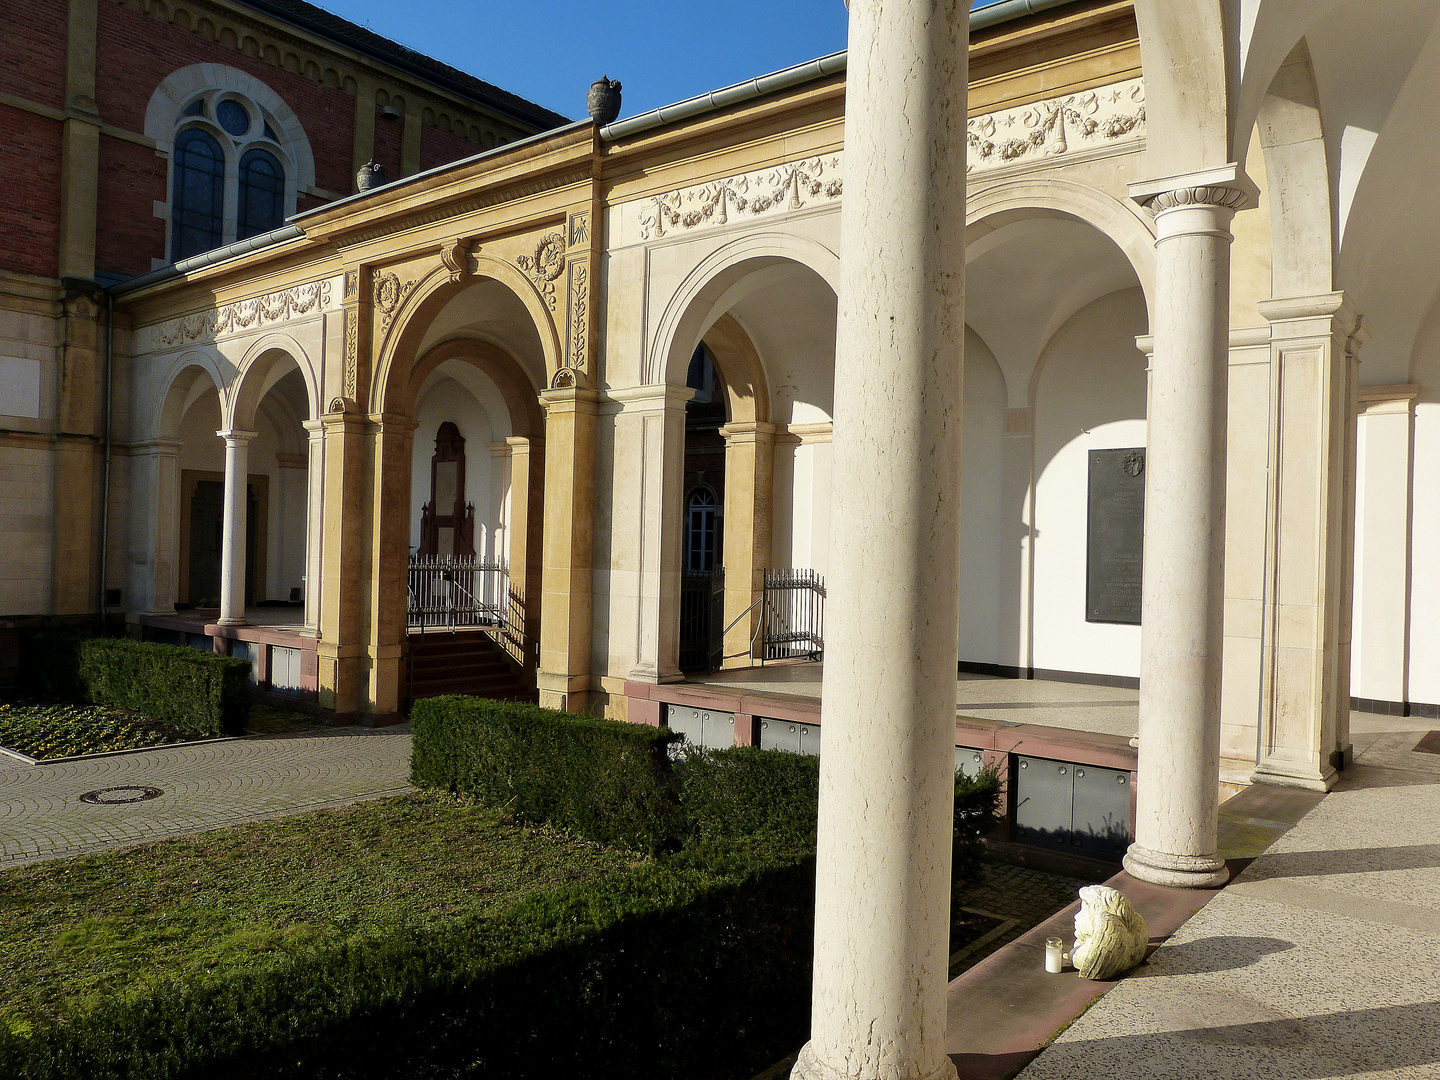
point(1110, 935)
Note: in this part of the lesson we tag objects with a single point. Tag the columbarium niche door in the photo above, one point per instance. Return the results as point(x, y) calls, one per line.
point(447, 521)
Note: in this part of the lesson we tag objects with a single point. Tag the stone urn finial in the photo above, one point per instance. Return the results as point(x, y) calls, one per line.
point(603, 101)
point(371, 175)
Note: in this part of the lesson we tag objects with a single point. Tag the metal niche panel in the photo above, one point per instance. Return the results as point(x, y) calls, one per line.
point(969, 761)
point(701, 727)
point(780, 735)
point(1101, 814)
point(1044, 801)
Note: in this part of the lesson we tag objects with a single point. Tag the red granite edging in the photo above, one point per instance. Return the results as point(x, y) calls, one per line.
point(1006, 1009)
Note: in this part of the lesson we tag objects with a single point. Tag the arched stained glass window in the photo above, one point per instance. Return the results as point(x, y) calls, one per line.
point(197, 206)
point(262, 194)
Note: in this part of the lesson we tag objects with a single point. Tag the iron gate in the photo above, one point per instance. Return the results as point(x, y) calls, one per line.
point(792, 617)
point(702, 614)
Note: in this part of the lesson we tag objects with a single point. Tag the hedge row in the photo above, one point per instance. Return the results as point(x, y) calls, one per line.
point(670, 970)
point(196, 692)
point(621, 784)
point(599, 779)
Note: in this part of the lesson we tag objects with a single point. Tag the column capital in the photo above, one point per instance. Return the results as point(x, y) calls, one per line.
point(749, 431)
point(1226, 187)
point(236, 436)
point(651, 397)
point(569, 399)
point(393, 423)
point(524, 442)
point(1396, 398)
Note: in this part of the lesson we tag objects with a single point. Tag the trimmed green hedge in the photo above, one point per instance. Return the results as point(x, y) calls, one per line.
point(670, 970)
point(604, 780)
point(200, 693)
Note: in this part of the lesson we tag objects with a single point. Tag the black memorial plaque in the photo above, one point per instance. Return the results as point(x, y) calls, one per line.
point(1116, 536)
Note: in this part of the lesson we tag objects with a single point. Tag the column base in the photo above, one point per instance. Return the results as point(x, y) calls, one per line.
point(810, 1067)
point(1290, 774)
point(231, 621)
point(1176, 871)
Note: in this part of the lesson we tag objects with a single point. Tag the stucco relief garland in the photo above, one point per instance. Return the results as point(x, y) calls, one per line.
point(247, 314)
point(792, 186)
point(1056, 127)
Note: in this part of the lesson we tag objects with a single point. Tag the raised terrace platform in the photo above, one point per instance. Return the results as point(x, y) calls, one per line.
point(1069, 747)
point(282, 654)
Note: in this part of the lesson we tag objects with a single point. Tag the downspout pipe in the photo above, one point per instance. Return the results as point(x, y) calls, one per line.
point(109, 453)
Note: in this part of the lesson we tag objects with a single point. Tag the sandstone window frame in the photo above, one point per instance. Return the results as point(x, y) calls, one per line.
point(200, 97)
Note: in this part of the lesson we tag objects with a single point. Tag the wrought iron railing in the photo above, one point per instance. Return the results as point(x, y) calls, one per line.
point(792, 616)
point(450, 591)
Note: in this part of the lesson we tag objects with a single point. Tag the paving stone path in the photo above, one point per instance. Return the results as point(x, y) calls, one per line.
point(204, 786)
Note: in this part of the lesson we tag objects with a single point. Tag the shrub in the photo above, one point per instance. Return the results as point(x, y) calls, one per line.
point(977, 804)
point(604, 780)
point(199, 693)
point(750, 794)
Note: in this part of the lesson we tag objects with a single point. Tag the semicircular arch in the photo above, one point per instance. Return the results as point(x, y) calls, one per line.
point(428, 299)
point(521, 396)
point(260, 368)
point(708, 291)
point(179, 388)
point(996, 205)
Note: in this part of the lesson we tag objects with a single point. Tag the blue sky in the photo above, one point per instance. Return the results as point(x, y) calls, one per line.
point(661, 50)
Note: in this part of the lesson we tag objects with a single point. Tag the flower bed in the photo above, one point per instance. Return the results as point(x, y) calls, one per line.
point(51, 731)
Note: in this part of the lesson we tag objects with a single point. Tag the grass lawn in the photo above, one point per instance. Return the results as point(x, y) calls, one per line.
point(76, 932)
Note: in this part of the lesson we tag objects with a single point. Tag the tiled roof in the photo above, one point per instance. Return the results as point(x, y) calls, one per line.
point(343, 32)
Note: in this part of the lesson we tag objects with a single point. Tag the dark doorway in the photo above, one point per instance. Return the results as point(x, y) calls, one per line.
point(203, 496)
point(702, 602)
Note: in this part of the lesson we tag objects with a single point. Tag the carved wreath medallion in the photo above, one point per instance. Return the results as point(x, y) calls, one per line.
point(546, 265)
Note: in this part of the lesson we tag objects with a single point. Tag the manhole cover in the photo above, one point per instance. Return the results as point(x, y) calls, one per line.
point(112, 795)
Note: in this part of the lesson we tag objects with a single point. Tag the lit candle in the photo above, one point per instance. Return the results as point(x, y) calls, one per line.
point(1054, 955)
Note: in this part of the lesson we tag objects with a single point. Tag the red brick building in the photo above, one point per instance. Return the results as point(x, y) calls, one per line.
point(135, 133)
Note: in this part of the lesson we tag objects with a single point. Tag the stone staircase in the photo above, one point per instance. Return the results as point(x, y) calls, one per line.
point(465, 662)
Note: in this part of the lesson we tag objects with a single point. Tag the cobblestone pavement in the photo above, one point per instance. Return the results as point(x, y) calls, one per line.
point(204, 786)
point(1021, 897)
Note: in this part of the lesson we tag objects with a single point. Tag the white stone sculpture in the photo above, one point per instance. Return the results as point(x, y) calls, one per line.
point(1110, 935)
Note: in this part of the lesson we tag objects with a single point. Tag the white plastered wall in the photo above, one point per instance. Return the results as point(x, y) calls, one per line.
point(1091, 396)
point(985, 528)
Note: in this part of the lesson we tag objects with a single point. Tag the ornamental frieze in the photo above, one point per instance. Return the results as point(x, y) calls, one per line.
point(261, 311)
point(769, 192)
point(1091, 120)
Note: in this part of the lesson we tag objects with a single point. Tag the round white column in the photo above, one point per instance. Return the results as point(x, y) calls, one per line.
point(1182, 604)
point(232, 536)
point(882, 907)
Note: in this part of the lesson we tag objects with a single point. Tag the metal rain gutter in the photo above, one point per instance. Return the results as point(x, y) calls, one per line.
point(1002, 12)
point(208, 258)
point(730, 95)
